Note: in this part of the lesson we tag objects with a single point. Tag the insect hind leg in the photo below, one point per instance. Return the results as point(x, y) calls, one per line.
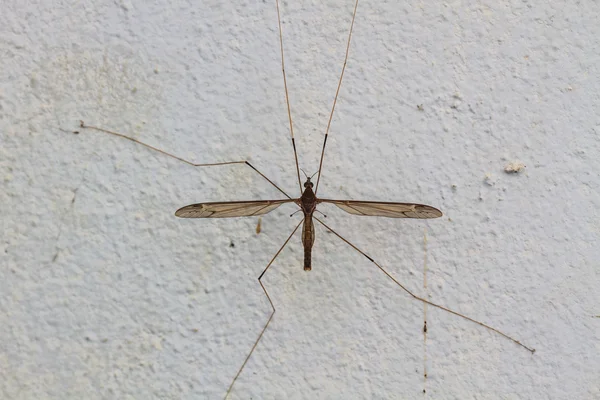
point(270, 316)
point(532, 350)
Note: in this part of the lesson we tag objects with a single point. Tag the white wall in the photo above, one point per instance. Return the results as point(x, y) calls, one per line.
point(104, 294)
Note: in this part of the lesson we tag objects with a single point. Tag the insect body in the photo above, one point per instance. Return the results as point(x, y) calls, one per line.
point(308, 204)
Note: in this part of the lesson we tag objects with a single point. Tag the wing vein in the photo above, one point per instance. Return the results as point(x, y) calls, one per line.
point(385, 209)
point(230, 209)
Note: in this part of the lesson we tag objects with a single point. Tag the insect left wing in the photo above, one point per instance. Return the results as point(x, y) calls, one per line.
point(230, 209)
point(385, 209)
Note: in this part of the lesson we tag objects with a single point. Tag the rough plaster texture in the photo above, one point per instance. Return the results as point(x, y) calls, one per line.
point(104, 294)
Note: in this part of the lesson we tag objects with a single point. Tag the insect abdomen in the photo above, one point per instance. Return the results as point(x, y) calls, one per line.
point(308, 238)
point(307, 259)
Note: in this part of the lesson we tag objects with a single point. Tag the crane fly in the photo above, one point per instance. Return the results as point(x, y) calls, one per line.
point(307, 203)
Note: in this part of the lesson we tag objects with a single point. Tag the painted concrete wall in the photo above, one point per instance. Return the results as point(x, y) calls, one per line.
point(104, 294)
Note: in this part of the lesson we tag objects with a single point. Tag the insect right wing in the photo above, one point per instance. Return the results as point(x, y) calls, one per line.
point(386, 209)
point(228, 209)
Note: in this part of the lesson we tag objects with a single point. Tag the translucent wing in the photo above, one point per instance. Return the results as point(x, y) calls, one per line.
point(229, 209)
point(385, 209)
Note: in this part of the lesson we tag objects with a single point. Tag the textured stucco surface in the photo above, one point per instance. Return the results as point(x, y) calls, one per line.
point(104, 294)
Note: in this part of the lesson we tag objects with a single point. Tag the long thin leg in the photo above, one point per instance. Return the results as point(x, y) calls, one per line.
point(272, 312)
point(421, 299)
point(287, 97)
point(84, 126)
point(337, 92)
point(425, 314)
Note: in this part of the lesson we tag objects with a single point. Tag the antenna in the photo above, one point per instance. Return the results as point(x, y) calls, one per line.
point(306, 175)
